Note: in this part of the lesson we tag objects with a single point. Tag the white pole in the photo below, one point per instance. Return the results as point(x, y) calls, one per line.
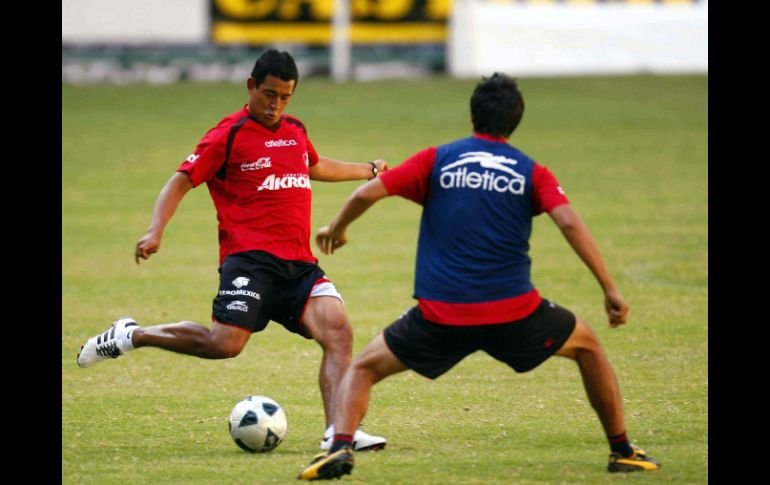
point(340, 48)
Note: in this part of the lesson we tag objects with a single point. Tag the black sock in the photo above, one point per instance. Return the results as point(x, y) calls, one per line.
point(619, 444)
point(341, 441)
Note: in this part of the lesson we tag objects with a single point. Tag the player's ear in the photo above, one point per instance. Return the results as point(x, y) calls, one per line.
point(251, 83)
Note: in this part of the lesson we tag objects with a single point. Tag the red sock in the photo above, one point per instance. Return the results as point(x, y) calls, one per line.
point(341, 441)
point(619, 444)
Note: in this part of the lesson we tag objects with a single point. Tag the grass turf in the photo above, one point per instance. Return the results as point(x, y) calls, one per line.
point(631, 153)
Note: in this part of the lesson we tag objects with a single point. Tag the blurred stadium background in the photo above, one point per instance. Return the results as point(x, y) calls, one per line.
point(126, 41)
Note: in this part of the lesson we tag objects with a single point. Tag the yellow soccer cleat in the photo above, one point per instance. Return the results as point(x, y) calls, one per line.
point(639, 461)
point(326, 466)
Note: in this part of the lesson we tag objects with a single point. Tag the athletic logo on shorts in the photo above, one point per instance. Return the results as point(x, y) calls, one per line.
point(241, 306)
point(240, 282)
point(250, 293)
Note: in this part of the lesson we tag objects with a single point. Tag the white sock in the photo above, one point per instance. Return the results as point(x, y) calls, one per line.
point(125, 342)
point(329, 433)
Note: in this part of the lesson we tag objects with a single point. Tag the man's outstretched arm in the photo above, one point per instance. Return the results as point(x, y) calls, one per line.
point(331, 237)
point(165, 206)
point(331, 170)
point(578, 236)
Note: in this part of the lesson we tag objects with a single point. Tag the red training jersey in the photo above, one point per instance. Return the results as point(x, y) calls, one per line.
point(259, 181)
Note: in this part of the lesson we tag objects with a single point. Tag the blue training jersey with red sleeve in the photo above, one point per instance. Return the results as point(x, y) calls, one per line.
point(479, 195)
point(259, 181)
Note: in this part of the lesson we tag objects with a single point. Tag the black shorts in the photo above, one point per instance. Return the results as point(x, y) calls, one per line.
point(256, 287)
point(431, 349)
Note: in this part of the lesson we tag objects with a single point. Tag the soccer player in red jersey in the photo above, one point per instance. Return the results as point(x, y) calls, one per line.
point(258, 164)
point(472, 279)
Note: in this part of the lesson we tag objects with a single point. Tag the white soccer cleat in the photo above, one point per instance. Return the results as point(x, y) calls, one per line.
point(110, 344)
point(361, 441)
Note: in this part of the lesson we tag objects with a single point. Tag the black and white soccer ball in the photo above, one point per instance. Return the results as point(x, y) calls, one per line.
point(258, 424)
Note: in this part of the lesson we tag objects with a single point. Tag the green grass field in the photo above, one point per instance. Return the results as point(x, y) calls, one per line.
point(631, 153)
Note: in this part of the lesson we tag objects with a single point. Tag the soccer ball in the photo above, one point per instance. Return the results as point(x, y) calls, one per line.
point(258, 424)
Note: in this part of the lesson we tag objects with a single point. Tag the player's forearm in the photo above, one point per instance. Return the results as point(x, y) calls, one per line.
point(168, 200)
point(358, 203)
point(330, 170)
point(582, 242)
point(578, 236)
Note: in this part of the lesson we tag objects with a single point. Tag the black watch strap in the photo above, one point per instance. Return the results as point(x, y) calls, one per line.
point(375, 170)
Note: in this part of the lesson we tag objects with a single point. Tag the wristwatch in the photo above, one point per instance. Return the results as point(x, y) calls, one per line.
point(375, 170)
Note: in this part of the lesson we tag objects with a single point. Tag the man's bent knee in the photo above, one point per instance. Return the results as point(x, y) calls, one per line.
point(335, 335)
point(583, 339)
point(226, 341)
point(226, 350)
point(377, 361)
point(327, 323)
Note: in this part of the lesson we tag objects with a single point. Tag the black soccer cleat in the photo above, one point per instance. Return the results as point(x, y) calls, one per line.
point(326, 466)
point(637, 462)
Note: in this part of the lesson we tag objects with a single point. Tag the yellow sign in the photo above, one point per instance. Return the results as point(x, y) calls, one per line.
point(309, 21)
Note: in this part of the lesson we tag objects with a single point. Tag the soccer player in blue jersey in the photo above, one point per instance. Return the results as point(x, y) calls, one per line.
point(472, 280)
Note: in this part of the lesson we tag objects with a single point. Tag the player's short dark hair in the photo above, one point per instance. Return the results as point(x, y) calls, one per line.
point(496, 105)
point(275, 63)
